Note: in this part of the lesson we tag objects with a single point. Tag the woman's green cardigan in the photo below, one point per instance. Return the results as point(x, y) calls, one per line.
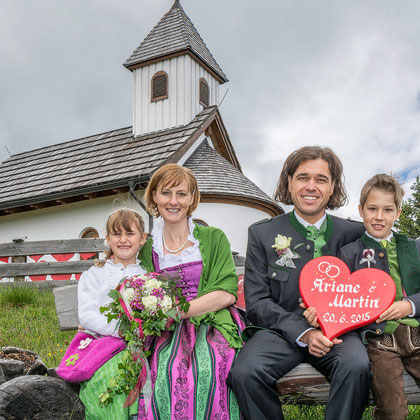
point(219, 273)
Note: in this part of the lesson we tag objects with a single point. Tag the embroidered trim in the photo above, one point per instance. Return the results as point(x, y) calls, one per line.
point(387, 341)
point(413, 337)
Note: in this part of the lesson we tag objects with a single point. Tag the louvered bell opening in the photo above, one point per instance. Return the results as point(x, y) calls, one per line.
point(204, 93)
point(159, 87)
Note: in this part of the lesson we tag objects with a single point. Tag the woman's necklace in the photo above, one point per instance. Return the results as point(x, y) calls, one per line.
point(173, 251)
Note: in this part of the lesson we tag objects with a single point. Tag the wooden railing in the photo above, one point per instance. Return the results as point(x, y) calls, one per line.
point(19, 250)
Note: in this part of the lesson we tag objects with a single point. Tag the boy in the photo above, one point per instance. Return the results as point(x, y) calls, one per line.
point(394, 340)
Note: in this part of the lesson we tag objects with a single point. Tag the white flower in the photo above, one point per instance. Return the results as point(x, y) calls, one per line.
point(128, 294)
point(166, 303)
point(281, 242)
point(150, 302)
point(152, 284)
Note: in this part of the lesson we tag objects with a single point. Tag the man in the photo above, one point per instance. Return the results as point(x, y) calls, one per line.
point(281, 338)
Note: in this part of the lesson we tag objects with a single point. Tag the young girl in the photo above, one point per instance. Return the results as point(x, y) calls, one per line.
point(125, 236)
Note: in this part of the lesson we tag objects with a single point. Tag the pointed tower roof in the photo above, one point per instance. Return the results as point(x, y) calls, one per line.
point(174, 35)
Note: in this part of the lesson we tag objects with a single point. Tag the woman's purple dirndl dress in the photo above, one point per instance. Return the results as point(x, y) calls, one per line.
point(189, 365)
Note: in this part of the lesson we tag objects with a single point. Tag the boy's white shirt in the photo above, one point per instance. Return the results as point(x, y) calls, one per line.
point(388, 238)
point(92, 293)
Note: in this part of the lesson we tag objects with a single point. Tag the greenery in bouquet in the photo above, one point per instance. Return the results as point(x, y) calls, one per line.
point(145, 306)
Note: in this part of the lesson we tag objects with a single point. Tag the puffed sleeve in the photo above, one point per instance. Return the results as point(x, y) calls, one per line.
point(91, 295)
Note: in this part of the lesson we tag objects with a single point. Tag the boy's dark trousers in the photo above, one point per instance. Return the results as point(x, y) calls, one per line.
point(389, 354)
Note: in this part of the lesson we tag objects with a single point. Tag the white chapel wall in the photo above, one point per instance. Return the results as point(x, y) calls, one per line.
point(68, 221)
point(232, 219)
point(182, 104)
point(65, 222)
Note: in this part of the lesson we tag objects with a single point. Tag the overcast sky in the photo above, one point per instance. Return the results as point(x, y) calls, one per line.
point(344, 74)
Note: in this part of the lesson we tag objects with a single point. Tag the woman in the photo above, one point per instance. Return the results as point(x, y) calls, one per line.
point(189, 366)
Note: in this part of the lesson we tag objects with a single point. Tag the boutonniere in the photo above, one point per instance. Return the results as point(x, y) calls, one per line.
point(368, 257)
point(283, 251)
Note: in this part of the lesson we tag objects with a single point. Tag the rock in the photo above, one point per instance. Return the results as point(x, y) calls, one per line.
point(11, 368)
point(32, 362)
point(33, 397)
point(38, 368)
point(52, 372)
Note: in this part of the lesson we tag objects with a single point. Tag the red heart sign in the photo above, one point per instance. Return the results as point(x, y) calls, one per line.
point(344, 301)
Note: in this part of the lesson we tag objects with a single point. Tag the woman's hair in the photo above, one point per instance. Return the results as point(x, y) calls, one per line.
point(171, 175)
point(382, 182)
point(119, 220)
point(338, 197)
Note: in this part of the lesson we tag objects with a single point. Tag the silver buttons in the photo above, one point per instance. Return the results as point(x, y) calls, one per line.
point(308, 247)
point(273, 275)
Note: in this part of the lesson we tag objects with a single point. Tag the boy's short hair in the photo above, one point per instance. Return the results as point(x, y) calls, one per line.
point(385, 183)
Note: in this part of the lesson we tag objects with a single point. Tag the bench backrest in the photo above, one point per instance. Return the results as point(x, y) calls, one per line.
point(16, 255)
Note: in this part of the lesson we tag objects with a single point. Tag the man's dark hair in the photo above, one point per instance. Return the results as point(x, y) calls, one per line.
point(339, 195)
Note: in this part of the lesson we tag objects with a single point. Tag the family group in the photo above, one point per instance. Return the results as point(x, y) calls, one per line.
point(215, 364)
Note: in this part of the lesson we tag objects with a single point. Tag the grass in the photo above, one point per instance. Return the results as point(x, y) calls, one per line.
point(28, 320)
point(316, 412)
point(18, 296)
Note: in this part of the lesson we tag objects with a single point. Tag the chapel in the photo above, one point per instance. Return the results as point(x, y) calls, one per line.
point(67, 190)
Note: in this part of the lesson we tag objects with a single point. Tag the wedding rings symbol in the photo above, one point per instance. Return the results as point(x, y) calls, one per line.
point(331, 270)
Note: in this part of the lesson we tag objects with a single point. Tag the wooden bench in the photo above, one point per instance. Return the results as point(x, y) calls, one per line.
point(302, 385)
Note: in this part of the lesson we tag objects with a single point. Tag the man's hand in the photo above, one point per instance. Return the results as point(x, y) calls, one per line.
point(310, 315)
point(397, 310)
point(319, 345)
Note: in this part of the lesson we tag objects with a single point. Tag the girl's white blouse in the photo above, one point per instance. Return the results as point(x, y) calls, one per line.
point(189, 254)
point(92, 293)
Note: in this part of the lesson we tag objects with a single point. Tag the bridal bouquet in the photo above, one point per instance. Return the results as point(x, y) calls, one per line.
point(145, 306)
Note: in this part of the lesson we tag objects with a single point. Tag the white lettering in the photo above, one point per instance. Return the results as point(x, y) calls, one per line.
point(360, 302)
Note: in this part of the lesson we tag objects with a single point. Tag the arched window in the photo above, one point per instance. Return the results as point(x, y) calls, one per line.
point(89, 233)
point(204, 93)
point(159, 86)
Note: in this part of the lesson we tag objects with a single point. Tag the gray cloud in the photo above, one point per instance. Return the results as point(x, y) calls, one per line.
point(342, 74)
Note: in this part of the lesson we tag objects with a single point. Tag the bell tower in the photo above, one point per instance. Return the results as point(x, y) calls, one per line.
point(175, 75)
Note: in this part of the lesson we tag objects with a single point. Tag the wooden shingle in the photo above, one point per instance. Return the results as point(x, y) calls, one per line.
point(174, 33)
point(92, 163)
point(217, 177)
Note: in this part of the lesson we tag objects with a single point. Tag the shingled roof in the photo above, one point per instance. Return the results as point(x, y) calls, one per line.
point(94, 163)
point(174, 33)
point(216, 176)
